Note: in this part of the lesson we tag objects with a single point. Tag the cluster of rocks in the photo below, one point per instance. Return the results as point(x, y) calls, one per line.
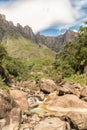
point(49, 106)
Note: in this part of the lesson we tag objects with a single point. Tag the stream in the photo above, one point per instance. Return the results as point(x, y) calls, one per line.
point(41, 108)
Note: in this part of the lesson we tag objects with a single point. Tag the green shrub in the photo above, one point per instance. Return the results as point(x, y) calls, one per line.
point(3, 85)
point(77, 78)
point(3, 52)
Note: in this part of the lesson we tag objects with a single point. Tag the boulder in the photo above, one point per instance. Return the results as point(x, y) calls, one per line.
point(70, 88)
point(5, 103)
point(40, 95)
point(78, 119)
point(26, 126)
point(10, 113)
point(84, 92)
point(20, 98)
point(51, 124)
point(14, 120)
point(48, 85)
point(32, 102)
point(66, 101)
point(69, 106)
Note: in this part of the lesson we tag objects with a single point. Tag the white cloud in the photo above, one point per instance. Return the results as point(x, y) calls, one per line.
point(40, 14)
point(78, 8)
point(75, 30)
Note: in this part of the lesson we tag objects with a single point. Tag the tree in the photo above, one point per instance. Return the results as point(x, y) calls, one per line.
point(3, 52)
point(73, 57)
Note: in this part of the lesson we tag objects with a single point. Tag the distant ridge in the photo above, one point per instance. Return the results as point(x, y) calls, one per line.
point(54, 43)
point(57, 43)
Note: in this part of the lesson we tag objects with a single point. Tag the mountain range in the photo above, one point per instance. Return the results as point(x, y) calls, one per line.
point(9, 31)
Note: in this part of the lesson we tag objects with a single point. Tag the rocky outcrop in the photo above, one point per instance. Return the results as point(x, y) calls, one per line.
point(9, 28)
point(2, 16)
point(10, 113)
point(26, 31)
point(69, 36)
point(4, 23)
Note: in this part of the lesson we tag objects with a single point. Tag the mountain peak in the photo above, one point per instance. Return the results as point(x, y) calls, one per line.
point(2, 16)
point(70, 31)
point(70, 35)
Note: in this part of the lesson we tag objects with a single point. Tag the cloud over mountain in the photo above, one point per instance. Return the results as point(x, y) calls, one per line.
point(42, 14)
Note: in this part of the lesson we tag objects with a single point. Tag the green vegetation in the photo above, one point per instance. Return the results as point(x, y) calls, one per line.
point(23, 59)
point(25, 67)
point(25, 48)
point(77, 78)
point(72, 59)
point(16, 68)
point(3, 85)
point(3, 55)
point(3, 52)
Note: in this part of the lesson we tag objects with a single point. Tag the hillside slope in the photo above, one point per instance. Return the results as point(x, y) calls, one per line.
point(25, 48)
point(20, 41)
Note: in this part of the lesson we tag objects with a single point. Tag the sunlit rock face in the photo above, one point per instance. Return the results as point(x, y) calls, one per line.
point(69, 106)
point(51, 124)
point(17, 95)
point(10, 112)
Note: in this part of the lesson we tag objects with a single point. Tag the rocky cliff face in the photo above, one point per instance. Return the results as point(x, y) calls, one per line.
point(69, 36)
point(4, 25)
point(56, 43)
point(26, 31)
point(7, 27)
point(4, 22)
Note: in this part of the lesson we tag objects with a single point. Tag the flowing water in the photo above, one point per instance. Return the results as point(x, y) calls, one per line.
point(41, 108)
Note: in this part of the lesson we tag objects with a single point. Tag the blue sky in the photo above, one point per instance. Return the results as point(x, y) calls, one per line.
point(49, 17)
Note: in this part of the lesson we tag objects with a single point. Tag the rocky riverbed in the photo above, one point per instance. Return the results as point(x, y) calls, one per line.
point(28, 106)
